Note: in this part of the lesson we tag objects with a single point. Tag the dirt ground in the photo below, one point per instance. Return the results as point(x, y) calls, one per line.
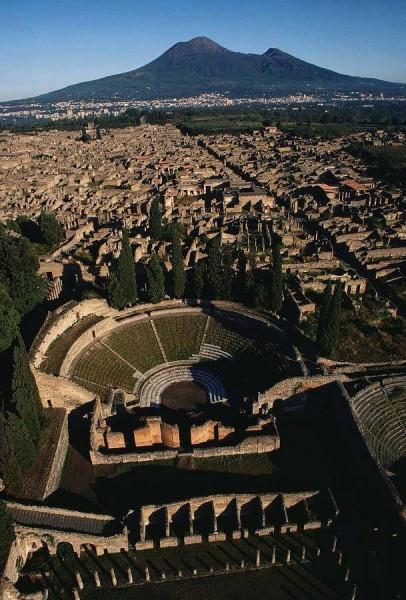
point(183, 395)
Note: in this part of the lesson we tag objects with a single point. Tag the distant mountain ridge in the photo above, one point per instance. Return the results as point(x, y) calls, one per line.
point(201, 65)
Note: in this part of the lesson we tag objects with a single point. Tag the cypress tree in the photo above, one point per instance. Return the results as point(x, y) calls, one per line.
point(115, 293)
point(9, 320)
point(241, 277)
point(323, 319)
point(155, 220)
point(24, 393)
point(328, 330)
point(20, 442)
point(198, 280)
point(228, 273)
point(276, 289)
point(214, 276)
point(125, 271)
point(178, 269)
point(7, 534)
point(155, 280)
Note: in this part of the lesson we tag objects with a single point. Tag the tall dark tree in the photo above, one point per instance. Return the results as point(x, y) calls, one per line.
point(115, 293)
point(155, 220)
point(178, 268)
point(50, 229)
point(227, 273)
point(7, 534)
point(9, 320)
point(155, 280)
point(24, 393)
point(276, 288)
point(198, 280)
point(125, 271)
point(241, 277)
point(214, 279)
point(20, 442)
point(18, 272)
point(324, 315)
point(328, 330)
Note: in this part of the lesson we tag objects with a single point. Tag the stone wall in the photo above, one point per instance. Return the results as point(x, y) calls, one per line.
point(57, 462)
point(60, 392)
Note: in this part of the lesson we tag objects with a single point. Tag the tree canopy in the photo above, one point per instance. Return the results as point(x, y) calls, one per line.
point(9, 319)
point(155, 220)
point(18, 273)
point(50, 229)
point(155, 280)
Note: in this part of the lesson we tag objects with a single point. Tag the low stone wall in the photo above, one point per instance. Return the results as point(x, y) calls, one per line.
point(57, 462)
point(59, 392)
point(251, 445)
point(293, 385)
point(60, 324)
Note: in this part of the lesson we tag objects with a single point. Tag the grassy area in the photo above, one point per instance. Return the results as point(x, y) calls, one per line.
point(222, 123)
point(372, 335)
point(385, 162)
point(58, 349)
point(323, 130)
point(248, 464)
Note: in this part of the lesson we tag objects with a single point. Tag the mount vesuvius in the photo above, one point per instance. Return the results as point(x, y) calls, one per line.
point(201, 65)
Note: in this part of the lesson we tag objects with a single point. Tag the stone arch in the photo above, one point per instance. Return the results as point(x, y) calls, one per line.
point(64, 549)
point(87, 548)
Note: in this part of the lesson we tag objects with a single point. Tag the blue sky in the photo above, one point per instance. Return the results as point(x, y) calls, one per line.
point(47, 44)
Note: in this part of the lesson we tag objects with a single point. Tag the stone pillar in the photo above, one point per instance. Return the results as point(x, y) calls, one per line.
point(147, 576)
point(273, 560)
point(96, 578)
point(288, 553)
point(167, 523)
point(113, 576)
point(191, 530)
point(79, 580)
point(303, 555)
point(258, 558)
point(130, 575)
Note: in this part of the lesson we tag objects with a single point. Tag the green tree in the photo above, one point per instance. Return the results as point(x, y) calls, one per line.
point(155, 280)
point(18, 272)
point(276, 288)
point(227, 273)
point(9, 320)
point(24, 393)
point(328, 328)
point(20, 442)
point(125, 271)
point(214, 279)
point(178, 268)
point(7, 534)
point(241, 277)
point(50, 229)
point(198, 280)
point(155, 220)
point(115, 293)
